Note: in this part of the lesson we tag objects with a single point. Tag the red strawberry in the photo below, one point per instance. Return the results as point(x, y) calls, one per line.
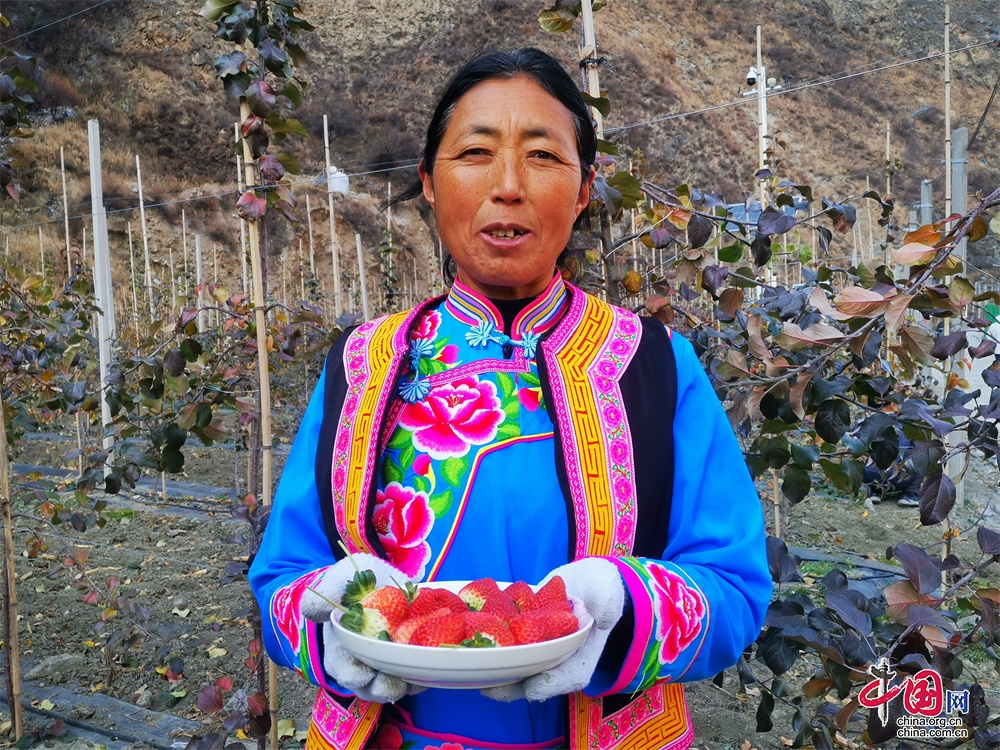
point(447, 629)
point(404, 631)
point(522, 595)
point(476, 593)
point(390, 601)
point(502, 606)
point(542, 625)
point(552, 596)
point(489, 626)
point(430, 599)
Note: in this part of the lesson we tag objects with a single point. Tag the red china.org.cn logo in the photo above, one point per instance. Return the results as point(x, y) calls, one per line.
point(927, 707)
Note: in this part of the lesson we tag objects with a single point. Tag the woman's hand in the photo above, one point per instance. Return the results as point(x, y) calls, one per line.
point(317, 605)
point(318, 600)
point(597, 583)
point(367, 683)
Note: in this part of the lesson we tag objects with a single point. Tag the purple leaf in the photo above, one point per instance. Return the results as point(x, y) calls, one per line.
point(937, 498)
point(922, 570)
point(261, 98)
point(209, 700)
point(250, 207)
point(948, 346)
point(919, 615)
point(712, 278)
point(985, 349)
point(772, 222)
point(699, 230)
point(989, 541)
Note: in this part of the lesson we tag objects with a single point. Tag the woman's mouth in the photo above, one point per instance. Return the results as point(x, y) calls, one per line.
point(506, 233)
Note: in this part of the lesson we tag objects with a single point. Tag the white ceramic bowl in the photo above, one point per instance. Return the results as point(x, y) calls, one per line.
point(464, 668)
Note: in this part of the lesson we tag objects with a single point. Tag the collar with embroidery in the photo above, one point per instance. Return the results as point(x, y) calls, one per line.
point(476, 311)
point(537, 317)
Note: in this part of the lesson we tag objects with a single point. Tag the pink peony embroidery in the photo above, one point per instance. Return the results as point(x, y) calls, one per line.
point(448, 354)
point(679, 612)
point(403, 520)
point(287, 606)
point(445, 746)
point(619, 451)
point(529, 398)
point(619, 347)
point(427, 326)
point(453, 417)
point(607, 368)
point(422, 465)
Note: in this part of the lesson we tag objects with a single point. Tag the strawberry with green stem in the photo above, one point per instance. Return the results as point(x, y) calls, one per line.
point(373, 610)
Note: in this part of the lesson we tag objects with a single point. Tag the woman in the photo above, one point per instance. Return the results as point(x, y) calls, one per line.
point(515, 429)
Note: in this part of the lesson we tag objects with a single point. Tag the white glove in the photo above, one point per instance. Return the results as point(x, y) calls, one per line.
point(314, 604)
point(367, 683)
point(597, 583)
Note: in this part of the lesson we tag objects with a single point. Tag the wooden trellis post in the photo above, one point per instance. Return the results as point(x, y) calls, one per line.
point(264, 375)
point(243, 223)
point(11, 642)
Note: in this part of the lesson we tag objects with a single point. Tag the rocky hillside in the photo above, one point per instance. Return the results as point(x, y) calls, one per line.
point(143, 68)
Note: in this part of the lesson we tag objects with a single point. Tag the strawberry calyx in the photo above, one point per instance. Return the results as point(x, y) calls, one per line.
point(479, 641)
point(361, 585)
point(354, 618)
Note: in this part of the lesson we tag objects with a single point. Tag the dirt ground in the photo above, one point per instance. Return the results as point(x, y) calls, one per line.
point(169, 560)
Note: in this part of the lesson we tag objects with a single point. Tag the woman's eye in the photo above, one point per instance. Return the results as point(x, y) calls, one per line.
point(474, 152)
point(544, 155)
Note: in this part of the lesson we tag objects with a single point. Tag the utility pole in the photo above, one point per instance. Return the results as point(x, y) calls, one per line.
point(361, 276)
point(334, 244)
point(102, 283)
point(588, 57)
point(926, 202)
point(761, 117)
point(761, 103)
point(960, 180)
point(145, 241)
point(888, 158)
point(69, 254)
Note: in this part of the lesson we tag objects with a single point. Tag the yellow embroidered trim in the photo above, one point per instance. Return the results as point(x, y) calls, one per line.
point(362, 457)
point(585, 344)
point(667, 727)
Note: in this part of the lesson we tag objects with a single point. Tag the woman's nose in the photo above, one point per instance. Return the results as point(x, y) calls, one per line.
point(508, 179)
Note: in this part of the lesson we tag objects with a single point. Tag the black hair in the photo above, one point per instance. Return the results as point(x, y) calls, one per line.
point(544, 70)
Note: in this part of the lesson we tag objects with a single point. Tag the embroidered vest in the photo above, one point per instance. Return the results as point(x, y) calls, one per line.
point(610, 399)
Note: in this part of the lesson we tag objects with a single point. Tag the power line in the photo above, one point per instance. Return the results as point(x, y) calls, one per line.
point(985, 112)
point(53, 23)
point(834, 78)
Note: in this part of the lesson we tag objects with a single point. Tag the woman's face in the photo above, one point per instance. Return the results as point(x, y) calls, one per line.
point(506, 186)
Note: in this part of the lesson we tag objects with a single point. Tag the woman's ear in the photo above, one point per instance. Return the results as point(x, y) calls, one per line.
point(428, 182)
point(583, 199)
